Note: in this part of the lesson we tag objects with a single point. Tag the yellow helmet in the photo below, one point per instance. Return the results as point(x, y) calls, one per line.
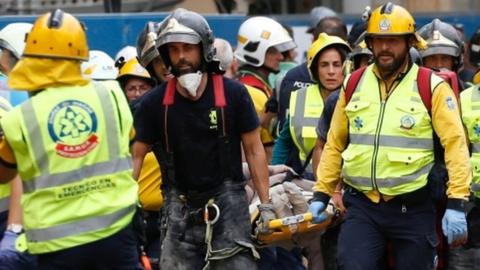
point(57, 35)
point(393, 20)
point(323, 41)
point(476, 77)
point(132, 68)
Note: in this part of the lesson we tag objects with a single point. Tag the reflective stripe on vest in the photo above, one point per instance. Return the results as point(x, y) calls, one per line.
point(391, 182)
point(85, 197)
point(47, 180)
point(4, 106)
point(390, 142)
point(79, 227)
point(306, 107)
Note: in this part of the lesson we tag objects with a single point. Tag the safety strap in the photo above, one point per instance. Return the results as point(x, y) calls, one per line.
point(423, 85)
point(252, 79)
point(424, 88)
point(220, 104)
point(225, 253)
point(352, 83)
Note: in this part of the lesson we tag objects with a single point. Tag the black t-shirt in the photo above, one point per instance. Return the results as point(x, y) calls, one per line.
point(192, 132)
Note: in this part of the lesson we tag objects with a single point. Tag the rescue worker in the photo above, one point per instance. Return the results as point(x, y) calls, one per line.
point(77, 213)
point(148, 55)
point(134, 80)
point(325, 60)
point(261, 42)
point(466, 257)
point(99, 67)
point(445, 48)
point(383, 136)
point(444, 55)
point(200, 118)
point(298, 77)
point(12, 44)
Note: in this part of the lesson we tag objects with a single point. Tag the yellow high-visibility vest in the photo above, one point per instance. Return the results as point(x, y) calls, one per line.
point(390, 142)
point(71, 145)
point(470, 102)
point(306, 107)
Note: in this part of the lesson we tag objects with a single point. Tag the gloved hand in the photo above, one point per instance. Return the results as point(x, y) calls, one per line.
point(317, 208)
point(271, 105)
point(8, 241)
point(267, 213)
point(454, 227)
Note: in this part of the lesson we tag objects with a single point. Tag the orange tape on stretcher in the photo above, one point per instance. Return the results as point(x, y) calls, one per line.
point(284, 228)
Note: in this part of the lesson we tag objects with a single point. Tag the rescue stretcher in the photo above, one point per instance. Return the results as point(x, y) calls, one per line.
point(285, 229)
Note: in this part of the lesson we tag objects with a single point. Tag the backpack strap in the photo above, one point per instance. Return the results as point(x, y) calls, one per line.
point(219, 92)
point(168, 99)
point(352, 83)
point(424, 88)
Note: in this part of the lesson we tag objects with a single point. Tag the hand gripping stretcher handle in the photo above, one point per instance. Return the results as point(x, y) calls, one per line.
point(292, 220)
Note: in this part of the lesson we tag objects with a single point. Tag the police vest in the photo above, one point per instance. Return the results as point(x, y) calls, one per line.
point(470, 102)
point(306, 107)
point(4, 188)
point(71, 145)
point(390, 142)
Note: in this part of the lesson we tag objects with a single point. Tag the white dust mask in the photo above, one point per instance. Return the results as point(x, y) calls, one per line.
point(191, 81)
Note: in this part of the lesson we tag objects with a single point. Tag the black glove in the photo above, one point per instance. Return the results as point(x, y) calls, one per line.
point(267, 213)
point(271, 105)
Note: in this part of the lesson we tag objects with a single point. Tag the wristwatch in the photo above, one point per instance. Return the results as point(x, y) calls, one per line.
point(16, 228)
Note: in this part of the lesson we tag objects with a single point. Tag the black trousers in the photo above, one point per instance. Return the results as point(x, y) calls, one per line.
point(407, 222)
point(117, 252)
point(184, 248)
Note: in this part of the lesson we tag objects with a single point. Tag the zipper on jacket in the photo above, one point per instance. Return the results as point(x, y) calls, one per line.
point(376, 143)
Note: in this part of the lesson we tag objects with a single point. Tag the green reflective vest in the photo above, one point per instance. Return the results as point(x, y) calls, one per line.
point(71, 145)
point(306, 106)
point(470, 102)
point(390, 142)
point(4, 188)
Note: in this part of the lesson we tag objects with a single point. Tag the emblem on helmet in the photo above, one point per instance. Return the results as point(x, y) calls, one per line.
point(384, 25)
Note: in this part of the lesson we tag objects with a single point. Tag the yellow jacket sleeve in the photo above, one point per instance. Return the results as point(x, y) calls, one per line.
point(448, 125)
point(328, 172)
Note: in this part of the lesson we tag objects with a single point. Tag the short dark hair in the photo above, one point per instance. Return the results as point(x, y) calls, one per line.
point(333, 26)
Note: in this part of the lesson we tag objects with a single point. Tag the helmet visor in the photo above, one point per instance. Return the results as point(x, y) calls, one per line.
point(285, 46)
point(190, 38)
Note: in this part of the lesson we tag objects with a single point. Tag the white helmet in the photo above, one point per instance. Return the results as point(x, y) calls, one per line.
point(100, 66)
point(256, 35)
point(127, 52)
point(12, 37)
